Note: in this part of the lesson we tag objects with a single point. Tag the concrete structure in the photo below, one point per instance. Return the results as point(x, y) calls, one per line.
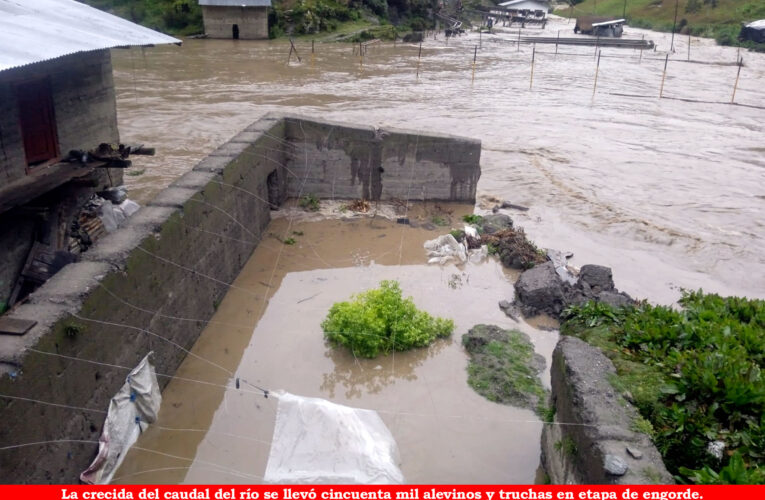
point(237, 19)
point(591, 440)
point(56, 95)
point(173, 259)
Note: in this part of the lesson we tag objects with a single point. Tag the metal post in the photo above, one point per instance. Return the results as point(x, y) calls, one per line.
point(556, 43)
point(533, 56)
point(419, 56)
point(475, 56)
point(663, 76)
point(597, 69)
point(689, 44)
point(361, 57)
point(313, 55)
point(735, 85)
point(674, 25)
point(519, 39)
point(641, 50)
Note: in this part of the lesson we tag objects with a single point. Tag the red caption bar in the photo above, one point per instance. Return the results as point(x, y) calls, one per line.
point(408, 492)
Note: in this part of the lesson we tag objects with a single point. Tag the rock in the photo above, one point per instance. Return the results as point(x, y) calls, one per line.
point(414, 37)
point(507, 204)
point(496, 222)
point(615, 465)
point(598, 278)
point(614, 299)
point(509, 309)
point(634, 452)
point(495, 209)
point(540, 289)
point(115, 194)
point(429, 226)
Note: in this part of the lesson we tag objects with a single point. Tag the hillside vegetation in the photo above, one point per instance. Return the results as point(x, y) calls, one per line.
point(286, 17)
point(718, 19)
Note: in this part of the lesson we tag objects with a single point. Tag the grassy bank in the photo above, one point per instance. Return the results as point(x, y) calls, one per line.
point(696, 377)
point(718, 19)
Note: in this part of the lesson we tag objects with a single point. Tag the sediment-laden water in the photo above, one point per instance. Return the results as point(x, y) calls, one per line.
point(670, 193)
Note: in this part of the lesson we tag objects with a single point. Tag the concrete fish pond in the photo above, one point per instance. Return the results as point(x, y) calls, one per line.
point(227, 275)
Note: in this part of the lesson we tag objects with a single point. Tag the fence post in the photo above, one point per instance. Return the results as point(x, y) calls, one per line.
point(663, 76)
point(533, 56)
point(597, 69)
point(419, 56)
point(475, 56)
point(735, 85)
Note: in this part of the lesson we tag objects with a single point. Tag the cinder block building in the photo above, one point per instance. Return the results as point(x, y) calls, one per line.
point(56, 95)
point(236, 19)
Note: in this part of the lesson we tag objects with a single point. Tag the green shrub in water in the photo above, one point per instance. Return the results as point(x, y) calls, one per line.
point(380, 321)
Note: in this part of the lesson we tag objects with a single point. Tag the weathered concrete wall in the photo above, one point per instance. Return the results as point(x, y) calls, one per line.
point(252, 22)
point(334, 160)
point(84, 105)
point(174, 258)
point(592, 436)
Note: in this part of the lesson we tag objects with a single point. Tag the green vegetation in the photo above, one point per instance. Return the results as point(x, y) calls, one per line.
point(472, 219)
point(380, 321)
point(718, 19)
point(309, 202)
point(135, 173)
point(504, 368)
point(179, 17)
point(361, 20)
point(696, 377)
point(439, 220)
point(289, 241)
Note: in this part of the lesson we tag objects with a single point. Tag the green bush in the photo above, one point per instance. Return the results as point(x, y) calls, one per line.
point(695, 374)
point(381, 321)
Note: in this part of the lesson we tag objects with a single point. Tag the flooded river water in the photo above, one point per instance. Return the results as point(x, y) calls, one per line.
point(670, 193)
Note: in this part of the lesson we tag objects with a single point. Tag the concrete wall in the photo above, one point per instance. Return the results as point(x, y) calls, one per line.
point(89, 309)
point(593, 425)
point(84, 106)
point(252, 22)
point(172, 258)
point(334, 160)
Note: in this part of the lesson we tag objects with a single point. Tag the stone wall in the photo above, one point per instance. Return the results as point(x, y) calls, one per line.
point(84, 105)
point(252, 22)
point(172, 259)
point(592, 440)
point(334, 160)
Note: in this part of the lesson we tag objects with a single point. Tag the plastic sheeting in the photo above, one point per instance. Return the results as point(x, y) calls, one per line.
point(316, 441)
point(445, 248)
point(131, 410)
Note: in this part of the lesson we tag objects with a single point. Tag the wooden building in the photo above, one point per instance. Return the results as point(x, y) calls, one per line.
point(236, 19)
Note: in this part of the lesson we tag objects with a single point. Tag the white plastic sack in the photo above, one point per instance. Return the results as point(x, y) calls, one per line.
point(131, 410)
point(111, 217)
point(129, 207)
point(478, 255)
point(316, 441)
point(445, 248)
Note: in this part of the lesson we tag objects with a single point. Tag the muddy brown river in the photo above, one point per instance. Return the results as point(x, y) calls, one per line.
point(670, 193)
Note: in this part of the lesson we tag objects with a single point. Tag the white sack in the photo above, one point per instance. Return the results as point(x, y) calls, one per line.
point(316, 441)
point(131, 410)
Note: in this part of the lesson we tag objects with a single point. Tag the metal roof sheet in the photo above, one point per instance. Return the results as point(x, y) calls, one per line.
point(39, 30)
point(236, 3)
point(757, 24)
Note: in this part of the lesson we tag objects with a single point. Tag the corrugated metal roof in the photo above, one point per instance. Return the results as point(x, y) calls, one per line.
point(38, 30)
point(517, 3)
point(236, 3)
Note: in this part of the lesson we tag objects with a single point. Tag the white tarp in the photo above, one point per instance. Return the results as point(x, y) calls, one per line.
point(131, 410)
point(316, 441)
